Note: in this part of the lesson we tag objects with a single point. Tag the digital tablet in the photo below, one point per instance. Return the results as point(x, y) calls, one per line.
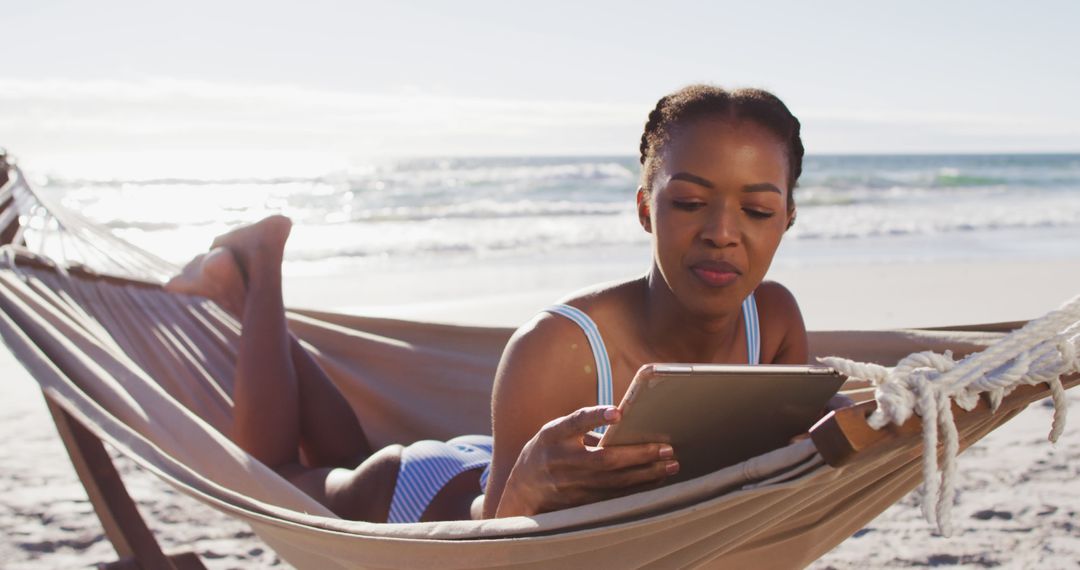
point(717, 415)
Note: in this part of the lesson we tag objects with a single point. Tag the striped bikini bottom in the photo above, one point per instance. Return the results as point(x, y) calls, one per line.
point(427, 466)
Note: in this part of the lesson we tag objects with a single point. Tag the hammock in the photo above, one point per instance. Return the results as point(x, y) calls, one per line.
point(122, 361)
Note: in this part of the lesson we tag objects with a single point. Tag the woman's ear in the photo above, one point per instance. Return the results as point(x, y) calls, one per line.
point(790, 218)
point(643, 213)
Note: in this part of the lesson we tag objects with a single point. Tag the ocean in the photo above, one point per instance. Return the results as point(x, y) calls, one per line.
point(865, 209)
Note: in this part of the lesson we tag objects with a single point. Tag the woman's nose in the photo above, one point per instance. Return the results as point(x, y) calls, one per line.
point(722, 227)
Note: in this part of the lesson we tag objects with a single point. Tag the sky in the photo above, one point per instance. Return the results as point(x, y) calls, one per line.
point(278, 88)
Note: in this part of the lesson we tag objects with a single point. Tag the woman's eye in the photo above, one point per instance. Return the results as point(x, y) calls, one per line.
point(688, 205)
point(759, 214)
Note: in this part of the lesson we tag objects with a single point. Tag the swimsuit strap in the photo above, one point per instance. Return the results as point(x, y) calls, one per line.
point(592, 333)
point(753, 330)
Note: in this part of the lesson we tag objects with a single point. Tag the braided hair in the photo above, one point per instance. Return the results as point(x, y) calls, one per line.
point(695, 102)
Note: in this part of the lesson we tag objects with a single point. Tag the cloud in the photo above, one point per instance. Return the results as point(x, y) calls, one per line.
point(69, 125)
point(169, 106)
point(62, 123)
point(945, 122)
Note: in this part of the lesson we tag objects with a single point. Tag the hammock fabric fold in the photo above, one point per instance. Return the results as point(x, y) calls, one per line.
point(150, 373)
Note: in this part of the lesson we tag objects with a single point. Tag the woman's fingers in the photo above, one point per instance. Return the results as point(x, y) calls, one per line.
point(636, 476)
point(581, 421)
point(573, 473)
point(616, 467)
point(604, 485)
point(643, 475)
point(574, 429)
point(623, 456)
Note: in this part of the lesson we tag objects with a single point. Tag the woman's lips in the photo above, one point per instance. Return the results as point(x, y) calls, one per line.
point(715, 273)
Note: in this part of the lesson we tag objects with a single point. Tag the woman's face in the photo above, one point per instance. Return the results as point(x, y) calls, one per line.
point(717, 211)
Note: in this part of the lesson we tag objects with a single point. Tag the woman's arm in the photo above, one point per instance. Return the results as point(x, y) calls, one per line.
point(544, 458)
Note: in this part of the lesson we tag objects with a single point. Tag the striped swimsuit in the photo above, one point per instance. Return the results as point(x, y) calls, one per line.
point(426, 466)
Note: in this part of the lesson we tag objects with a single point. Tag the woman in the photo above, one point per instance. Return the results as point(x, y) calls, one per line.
point(718, 170)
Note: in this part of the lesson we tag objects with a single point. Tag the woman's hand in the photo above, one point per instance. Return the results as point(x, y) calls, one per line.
point(561, 467)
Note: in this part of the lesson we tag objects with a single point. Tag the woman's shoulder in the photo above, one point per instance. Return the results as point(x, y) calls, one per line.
point(548, 366)
point(542, 333)
point(783, 332)
point(558, 344)
point(601, 296)
point(773, 297)
point(549, 330)
point(608, 301)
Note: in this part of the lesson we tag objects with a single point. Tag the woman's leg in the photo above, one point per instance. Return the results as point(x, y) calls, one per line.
point(282, 399)
point(286, 385)
point(266, 394)
point(330, 433)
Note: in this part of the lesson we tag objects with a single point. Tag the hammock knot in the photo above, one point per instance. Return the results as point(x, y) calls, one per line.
point(906, 390)
point(926, 359)
point(896, 402)
point(927, 383)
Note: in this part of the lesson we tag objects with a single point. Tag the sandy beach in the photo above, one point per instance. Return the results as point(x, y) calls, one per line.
point(476, 163)
point(1018, 504)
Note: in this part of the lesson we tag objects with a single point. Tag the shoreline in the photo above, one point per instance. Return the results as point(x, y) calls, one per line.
point(832, 296)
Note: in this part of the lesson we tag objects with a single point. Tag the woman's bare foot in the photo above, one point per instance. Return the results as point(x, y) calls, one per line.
point(258, 245)
point(214, 275)
point(222, 273)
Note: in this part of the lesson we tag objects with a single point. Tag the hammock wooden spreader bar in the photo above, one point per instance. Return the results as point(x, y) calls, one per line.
point(126, 530)
point(121, 361)
point(844, 435)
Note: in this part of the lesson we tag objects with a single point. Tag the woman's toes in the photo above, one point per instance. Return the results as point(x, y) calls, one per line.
point(214, 275)
point(186, 281)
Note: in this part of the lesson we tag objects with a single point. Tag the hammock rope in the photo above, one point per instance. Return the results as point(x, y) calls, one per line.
point(70, 239)
point(928, 383)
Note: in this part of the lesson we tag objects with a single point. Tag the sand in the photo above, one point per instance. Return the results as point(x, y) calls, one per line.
point(1018, 504)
